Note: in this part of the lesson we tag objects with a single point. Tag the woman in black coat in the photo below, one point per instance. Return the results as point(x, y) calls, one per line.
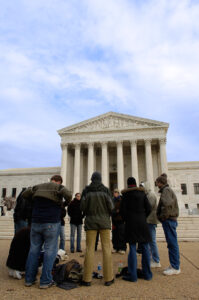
point(135, 208)
point(18, 253)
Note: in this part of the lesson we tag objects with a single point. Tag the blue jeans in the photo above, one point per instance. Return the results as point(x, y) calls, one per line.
point(132, 261)
point(153, 244)
point(73, 228)
point(42, 234)
point(20, 224)
point(169, 227)
point(62, 238)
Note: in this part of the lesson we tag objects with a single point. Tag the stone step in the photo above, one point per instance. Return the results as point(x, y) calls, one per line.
point(187, 230)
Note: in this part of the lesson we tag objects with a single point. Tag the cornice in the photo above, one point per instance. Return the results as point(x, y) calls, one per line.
point(112, 122)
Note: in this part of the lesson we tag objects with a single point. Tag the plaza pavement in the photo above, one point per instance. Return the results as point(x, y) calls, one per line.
point(183, 286)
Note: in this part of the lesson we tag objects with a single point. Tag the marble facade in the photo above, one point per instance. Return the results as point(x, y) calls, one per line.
point(116, 145)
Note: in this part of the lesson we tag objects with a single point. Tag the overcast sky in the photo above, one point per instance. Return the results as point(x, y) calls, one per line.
point(65, 61)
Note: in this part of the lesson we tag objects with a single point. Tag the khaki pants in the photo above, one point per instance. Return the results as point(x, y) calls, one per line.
point(106, 250)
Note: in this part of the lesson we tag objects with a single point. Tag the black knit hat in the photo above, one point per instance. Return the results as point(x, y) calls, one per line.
point(96, 176)
point(131, 181)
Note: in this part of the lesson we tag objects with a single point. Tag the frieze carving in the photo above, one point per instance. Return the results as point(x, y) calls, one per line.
point(110, 123)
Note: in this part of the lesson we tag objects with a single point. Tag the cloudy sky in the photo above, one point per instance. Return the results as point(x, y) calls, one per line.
point(64, 61)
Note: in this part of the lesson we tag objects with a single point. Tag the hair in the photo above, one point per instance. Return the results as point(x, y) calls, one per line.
point(164, 175)
point(162, 179)
point(77, 194)
point(56, 178)
point(116, 191)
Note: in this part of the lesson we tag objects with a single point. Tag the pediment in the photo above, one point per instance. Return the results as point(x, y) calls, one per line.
point(110, 122)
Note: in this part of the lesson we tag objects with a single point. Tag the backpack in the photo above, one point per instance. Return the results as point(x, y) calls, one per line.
point(71, 271)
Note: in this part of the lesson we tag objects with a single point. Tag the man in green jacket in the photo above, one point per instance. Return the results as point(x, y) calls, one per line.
point(47, 199)
point(96, 204)
point(167, 213)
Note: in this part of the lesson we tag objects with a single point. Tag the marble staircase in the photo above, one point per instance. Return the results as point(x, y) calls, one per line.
point(188, 228)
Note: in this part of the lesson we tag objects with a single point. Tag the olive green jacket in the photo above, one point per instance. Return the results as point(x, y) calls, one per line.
point(152, 218)
point(49, 190)
point(96, 204)
point(168, 204)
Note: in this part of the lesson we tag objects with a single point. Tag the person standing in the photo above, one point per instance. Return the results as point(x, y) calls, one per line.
point(152, 223)
point(167, 213)
point(20, 213)
point(135, 208)
point(76, 217)
point(96, 204)
point(62, 230)
point(118, 226)
point(47, 200)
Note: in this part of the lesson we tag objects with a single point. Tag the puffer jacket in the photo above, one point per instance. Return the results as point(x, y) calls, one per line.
point(49, 190)
point(168, 204)
point(96, 204)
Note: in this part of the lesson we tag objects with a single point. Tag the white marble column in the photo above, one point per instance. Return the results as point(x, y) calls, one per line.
point(76, 181)
point(90, 161)
point(163, 156)
point(134, 160)
point(64, 162)
point(105, 163)
point(120, 165)
point(149, 164)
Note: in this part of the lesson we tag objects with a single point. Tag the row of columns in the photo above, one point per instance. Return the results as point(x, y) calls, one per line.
point(120, 162)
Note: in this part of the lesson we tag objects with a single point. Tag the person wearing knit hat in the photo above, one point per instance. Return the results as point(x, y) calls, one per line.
point(135, 208)
point(131, 182)
point(96, 204)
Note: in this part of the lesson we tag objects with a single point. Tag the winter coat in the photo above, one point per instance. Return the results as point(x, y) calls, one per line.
point(116, 216)
point(135, 208)
point(23, 209)
point(97, 205)
point(74, 212)
point(49, 190)
point(168, 204)
point(152, 218)
point(19, 250)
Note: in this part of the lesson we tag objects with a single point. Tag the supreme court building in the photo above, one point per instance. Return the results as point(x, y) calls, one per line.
point(118, 146)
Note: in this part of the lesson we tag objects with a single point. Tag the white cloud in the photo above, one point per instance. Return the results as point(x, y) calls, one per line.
point(65, 61)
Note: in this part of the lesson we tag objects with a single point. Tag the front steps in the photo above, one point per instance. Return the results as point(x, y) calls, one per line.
point(188, 229)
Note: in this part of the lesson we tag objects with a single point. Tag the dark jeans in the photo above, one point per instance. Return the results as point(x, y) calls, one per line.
point(73, 228)
point(20, 224)
point(153, 244)
point(132, 261)
point(42, 234)
point(118, 236)
point(169, 227)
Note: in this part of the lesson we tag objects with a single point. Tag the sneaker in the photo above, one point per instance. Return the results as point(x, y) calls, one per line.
point(171, 271)
point(114, 251)
point(17, 274)
point(155, 264)
point(28, 284)
point(121, 252)
point(46, 286)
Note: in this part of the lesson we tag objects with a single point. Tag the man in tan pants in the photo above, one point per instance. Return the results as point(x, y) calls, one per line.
point(96, 203)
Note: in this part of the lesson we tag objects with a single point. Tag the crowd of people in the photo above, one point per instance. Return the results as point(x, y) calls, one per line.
point(132, 216)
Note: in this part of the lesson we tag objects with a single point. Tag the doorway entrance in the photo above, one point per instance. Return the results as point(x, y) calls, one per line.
point(113, 181)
